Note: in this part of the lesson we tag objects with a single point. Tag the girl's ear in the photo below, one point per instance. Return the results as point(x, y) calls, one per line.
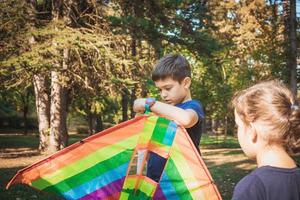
point(187, 82)
point(253, 133)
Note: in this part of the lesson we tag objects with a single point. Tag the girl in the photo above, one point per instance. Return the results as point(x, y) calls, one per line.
point(268, 120)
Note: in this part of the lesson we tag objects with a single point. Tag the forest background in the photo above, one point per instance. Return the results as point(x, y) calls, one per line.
point(77, 66)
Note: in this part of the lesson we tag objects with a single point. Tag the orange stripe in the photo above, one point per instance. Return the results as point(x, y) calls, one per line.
point(50, 165)
point(160, 150)
point(193, 159)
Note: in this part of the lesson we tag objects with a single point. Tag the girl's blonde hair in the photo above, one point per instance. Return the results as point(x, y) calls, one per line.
point(273, 104)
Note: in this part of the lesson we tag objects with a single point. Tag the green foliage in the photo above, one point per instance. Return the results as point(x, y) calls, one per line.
point(176, 22)
point(112, 46)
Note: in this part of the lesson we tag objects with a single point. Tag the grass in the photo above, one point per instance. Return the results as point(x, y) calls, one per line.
point(28, 143)
point(208, 141)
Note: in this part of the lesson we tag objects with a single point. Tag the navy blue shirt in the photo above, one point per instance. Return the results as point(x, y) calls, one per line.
point(156, 163)
point(269, 183)
point(195, 131)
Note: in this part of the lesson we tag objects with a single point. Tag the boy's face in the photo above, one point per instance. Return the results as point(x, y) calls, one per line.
point(173, 92)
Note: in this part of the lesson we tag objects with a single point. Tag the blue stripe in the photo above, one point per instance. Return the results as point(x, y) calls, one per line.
point(170, 134)
point(96, 183)
point(167, 187)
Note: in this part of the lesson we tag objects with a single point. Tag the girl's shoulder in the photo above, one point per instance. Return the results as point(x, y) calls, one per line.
point(268, 181)
point(249, 187)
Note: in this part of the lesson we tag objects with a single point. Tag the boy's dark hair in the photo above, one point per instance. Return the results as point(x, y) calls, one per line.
point(172, 65)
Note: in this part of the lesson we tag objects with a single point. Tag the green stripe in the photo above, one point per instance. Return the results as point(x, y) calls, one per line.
point(133, 195)
point(160, 130)
point(91, 173)
point(144, 188)
point(148, 130)
point(185, 171)
point(84, 163)
point(147, 187)
point(129, 183)
point(177, 181)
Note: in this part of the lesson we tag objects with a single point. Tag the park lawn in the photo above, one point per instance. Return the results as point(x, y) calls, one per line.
point(17, 152)
point(225, 160)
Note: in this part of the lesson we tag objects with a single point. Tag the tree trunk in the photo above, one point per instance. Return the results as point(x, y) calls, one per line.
point(214, 125)
point(58, 113)
point(55, 114)
point(124, 105)
point(203, 123)
point(64, 129)
point(291, 47)
point(132, 98)
point(42, 109)
point(25, 113)
point(133, 91)
point(293, 41)
point(99, 125)
point(157, 45)
point(95, 123)
point(64, 113)
point(58, 108)
point(25, 105)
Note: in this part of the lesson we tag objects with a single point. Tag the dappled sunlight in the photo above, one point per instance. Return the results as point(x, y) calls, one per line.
point(227, 166)
point(19, 157)
point(215, 157)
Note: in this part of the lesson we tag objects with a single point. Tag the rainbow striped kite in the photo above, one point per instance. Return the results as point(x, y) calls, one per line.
point(104, 166)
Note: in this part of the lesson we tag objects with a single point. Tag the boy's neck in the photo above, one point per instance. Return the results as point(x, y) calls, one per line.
point(188, 97)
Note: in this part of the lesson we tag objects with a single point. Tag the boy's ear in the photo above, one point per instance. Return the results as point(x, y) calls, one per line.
point(187, 82)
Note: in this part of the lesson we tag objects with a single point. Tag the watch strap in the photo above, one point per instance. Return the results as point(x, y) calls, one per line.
point(149, 103)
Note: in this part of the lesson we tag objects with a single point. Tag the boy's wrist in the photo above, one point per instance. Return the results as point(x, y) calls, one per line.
point(149, 102)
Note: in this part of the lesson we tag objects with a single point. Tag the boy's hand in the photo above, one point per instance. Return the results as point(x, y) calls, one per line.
point(139, 105)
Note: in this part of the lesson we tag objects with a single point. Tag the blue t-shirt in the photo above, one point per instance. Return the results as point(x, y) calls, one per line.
point(195, 131)
point(269, 183)
point(156, 163)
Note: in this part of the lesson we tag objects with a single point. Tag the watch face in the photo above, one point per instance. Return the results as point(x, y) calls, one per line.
point(149, 102)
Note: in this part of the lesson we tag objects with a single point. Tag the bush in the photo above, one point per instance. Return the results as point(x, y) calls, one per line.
point(82, 130)
point(17, 122)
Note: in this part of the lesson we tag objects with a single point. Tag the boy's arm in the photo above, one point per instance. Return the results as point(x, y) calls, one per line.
point(187, 118)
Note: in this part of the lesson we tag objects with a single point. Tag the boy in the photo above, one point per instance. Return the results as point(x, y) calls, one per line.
point(172, 76)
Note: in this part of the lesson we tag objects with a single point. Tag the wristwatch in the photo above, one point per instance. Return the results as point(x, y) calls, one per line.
point(149, 103)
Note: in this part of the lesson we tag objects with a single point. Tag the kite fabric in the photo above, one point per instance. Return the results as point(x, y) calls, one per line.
point(103, 166)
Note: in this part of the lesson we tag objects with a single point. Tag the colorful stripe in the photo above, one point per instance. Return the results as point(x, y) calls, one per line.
point(83, 164)
point(190, 181)
point(78, 150)
point(96, 183)
point(138, 187)
point(167, 188)
point(197, 168)
point(164, 132)
point(97, 167)
point(147, 186)
point(90, 173)
point(160, 130)
point(159, 195)
point(149, 127)
point(177, 181)
point(170, 134)
point(106, 191)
